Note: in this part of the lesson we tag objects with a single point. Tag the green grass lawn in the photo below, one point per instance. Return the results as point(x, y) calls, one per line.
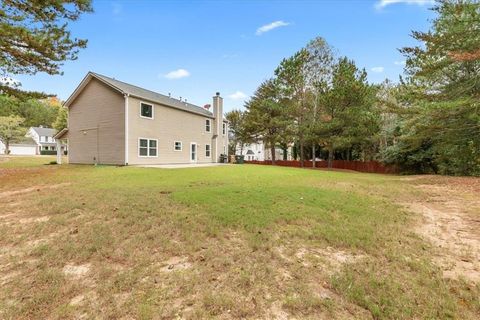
point(226, 242)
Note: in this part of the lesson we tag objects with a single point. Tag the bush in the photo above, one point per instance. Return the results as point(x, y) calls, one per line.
point(48, 152)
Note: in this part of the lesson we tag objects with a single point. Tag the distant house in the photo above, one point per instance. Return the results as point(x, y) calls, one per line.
point(25, 146)
point(259, 152)
point(44, 138)
point(113, 122)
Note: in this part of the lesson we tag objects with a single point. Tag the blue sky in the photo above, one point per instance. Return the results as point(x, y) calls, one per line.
point(194, 48)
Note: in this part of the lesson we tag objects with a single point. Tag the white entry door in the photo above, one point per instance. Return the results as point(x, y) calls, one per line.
point(193, 152)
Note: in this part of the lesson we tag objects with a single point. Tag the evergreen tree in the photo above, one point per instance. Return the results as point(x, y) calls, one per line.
point(441, 95)
point(35, 37)
point(267, 118)
point(348, 115)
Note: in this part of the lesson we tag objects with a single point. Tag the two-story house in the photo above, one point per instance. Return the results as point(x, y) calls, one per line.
point(113, 122)
point(43, 137)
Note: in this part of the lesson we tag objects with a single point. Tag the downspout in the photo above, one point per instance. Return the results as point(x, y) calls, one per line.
point(126, 128)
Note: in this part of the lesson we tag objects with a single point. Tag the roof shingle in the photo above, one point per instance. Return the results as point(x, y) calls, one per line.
point(152, 96)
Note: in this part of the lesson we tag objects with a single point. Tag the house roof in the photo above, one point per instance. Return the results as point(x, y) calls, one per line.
point(49, 132)
point(61, 134)
point(132, 90)
point(250, 152)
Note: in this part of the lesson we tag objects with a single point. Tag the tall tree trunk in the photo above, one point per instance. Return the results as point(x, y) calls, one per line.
point(313, 156)
point(7, 146)
point(330, 156)
point(302, 154)
point(272, 150)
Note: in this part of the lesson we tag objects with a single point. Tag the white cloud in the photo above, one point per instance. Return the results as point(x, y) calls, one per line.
point(400, 63)
point(383, 3)
point(378, 69)
point(238, 95)
point(177, 74)
point(271, 26)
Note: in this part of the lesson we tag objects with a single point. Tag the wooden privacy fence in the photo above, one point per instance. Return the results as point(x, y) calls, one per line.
point(368, 166)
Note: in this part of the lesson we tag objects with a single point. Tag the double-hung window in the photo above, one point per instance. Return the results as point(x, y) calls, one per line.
point(146, 110)
point(207, 151)
point(207, 125)
point(224, 128)
point(147, 147)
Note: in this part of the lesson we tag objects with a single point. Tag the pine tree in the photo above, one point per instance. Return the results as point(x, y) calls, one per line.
point(34, 37)
point(267, 117)
point(442, 93)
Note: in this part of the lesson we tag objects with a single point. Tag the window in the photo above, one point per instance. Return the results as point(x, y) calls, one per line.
point(146, 110)
point(224, 128)
point(207, 125)
point(147, 147)
point(178, 145)
point(207, 150)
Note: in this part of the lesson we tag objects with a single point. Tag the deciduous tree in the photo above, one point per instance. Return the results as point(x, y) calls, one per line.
point(10, 129)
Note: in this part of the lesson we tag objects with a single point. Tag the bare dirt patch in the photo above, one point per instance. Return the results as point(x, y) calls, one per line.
point(329, 259)
point(5, 194)
point(76, 271)
point(451, 222)
point(176, 264)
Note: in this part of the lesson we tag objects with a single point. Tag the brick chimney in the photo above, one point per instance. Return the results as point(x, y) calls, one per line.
point(218, 114)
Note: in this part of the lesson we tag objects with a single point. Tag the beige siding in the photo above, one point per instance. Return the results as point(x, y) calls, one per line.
point(167, 126)
point(96, 130)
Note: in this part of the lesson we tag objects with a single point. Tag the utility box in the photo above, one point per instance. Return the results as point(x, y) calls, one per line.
point(239, 159)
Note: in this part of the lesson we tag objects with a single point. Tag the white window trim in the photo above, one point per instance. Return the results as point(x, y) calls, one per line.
point(148, 148)
point(196, 152)
point(174, 146)
point(209, 125)
point(209, 150)
point(153, 110)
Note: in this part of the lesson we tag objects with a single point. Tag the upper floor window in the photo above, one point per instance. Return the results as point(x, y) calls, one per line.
point(146, 110)
point(207, 125)
point(224, 128)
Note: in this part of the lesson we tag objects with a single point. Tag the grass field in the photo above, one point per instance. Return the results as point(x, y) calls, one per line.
point(226, 242)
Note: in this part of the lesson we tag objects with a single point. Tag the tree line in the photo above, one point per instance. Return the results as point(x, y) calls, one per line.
point(17, 115)
point(428, 122)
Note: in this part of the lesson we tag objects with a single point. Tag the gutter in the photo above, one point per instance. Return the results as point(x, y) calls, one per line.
point(126, 95)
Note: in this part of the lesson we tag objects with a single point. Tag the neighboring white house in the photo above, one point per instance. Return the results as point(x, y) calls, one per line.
point(36, 139)
point(259, 152)
point(43, 138)
point(25, 147)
